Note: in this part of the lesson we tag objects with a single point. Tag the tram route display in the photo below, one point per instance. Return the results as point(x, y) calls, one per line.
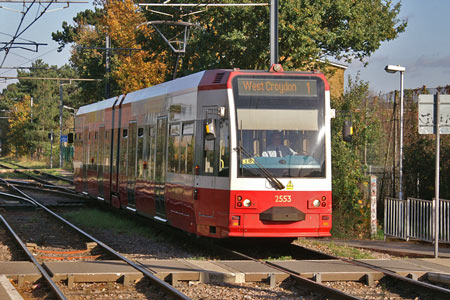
point(276, 87)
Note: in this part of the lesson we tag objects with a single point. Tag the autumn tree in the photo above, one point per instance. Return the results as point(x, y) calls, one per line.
point(20, 127)
point(29, 124)
point(131, 68)
point(226, 37)
point(141, 68)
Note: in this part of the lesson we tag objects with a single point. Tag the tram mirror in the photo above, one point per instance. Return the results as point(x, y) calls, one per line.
point(70, 138)
point(210, 130)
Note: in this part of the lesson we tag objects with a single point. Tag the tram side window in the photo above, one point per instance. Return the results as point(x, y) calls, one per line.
point(174, 148)
point(85, 149)
point(151, 153)
point(91, 150)
point(107, 154)
point(96, 151)
point(123, 153)
point(187, 149)
point(115, 135)
point(140, 153)
point(131, 155)
point(224, 152)
point(208, 151)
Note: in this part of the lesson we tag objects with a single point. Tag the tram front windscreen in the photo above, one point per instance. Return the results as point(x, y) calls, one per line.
point(281, 125)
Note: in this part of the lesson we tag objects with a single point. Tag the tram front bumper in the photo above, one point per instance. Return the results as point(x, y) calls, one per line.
point(282, 214)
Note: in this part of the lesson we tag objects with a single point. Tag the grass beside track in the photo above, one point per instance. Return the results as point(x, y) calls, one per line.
point(331, 248)
point(120, 223)
point(107, 220)
point(12, 175)
point(34, 164)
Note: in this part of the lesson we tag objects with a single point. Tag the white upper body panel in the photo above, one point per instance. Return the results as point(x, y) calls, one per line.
point(180, 85)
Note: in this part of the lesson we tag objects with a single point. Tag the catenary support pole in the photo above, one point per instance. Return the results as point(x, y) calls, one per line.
point(107, 66)
point(60, 121)
point(274, 32)
point(436, 183)
point(51, 149)
point(400, 165)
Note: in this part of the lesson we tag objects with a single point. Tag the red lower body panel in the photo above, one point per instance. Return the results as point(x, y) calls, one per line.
point(218, 213)
point(238, 220)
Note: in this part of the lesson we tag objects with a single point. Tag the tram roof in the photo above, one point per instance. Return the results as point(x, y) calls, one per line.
point(173, 86)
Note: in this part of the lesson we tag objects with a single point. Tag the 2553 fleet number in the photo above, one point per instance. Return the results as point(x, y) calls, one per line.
point(283, 198)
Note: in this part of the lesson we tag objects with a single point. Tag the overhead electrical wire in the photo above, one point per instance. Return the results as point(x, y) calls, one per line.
point(29, 60)
point(19, 32)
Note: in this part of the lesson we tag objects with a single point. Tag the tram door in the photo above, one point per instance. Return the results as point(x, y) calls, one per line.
point(100, 161)
point(161, 166)
point(85, 158)
point(131, 164)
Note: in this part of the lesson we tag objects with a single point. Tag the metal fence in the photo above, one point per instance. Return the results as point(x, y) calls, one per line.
point(67, 153)
point(413, 218)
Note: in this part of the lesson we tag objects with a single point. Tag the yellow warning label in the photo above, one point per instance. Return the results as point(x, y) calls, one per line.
point(289, 186)
point(248, 161)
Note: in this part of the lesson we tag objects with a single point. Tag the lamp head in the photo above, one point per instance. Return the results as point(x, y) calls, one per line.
point(394, 68)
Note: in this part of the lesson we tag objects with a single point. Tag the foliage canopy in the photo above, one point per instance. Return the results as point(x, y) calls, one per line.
point(225, 37)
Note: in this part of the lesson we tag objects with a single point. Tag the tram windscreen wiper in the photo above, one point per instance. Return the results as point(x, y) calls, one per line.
point(270, 178)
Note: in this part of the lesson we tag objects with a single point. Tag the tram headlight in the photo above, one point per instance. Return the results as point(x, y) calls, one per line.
point(247, 202)
point(316, 203)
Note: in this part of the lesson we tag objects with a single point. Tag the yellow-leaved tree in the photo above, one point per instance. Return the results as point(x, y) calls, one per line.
point(19, 125)
point(134, 69)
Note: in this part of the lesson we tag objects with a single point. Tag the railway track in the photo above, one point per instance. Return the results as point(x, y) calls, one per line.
point(63, 236)
point(423, 289)
point(45, 191)
point(427, 291)
point(39, 172)
point(51, 181)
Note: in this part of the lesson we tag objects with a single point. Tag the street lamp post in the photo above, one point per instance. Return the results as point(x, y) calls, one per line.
point(74, 114)
point(60, 121)
point(395, 69)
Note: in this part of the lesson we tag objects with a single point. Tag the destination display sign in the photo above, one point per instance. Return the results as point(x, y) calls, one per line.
point(276, 87)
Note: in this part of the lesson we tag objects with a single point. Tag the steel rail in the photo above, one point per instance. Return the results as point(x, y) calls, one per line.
point(55, 191)
point(53, 176)
point(167, 287)
point(39, 179)
point(442, 292)
point(315, 286)
point(54, 187)
point(6, 167)
point(18, 198)
point(39, 172)
point(44, 273)
point(12, 163)
point(45, 181)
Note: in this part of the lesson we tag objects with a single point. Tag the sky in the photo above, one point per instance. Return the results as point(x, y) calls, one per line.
point(423, 49)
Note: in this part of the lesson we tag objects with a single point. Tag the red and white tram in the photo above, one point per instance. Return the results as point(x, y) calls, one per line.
point(219, 153)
